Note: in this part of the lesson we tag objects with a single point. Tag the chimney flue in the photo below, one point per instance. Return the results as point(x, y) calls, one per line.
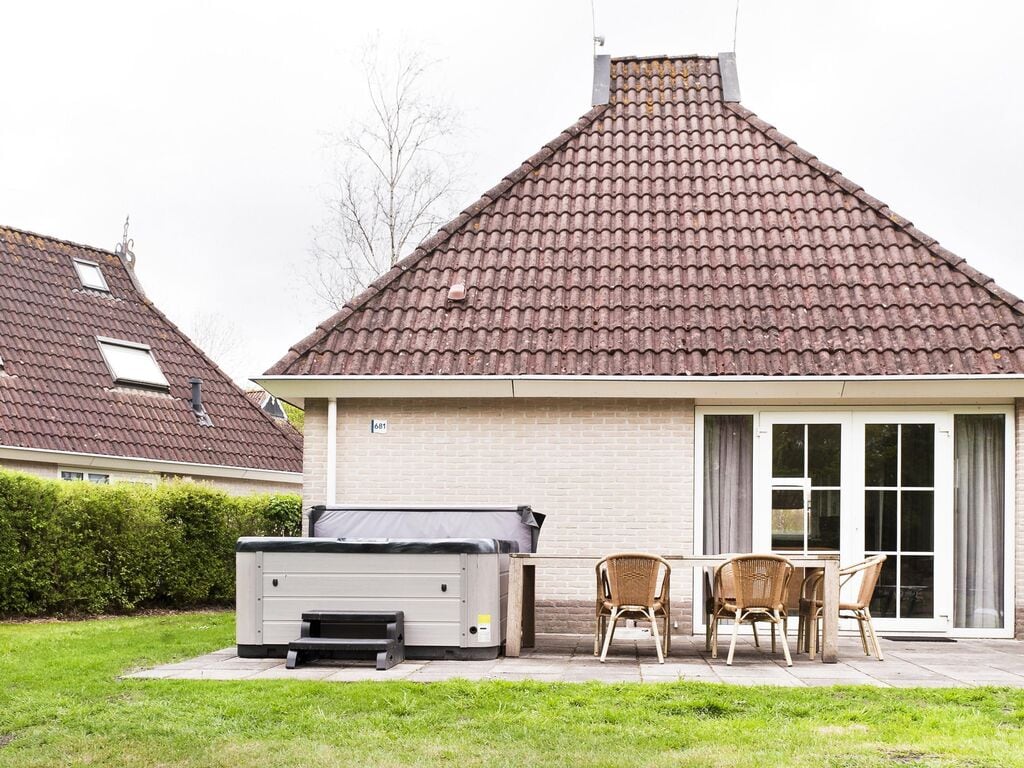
point(602, 80)
point(197, 403)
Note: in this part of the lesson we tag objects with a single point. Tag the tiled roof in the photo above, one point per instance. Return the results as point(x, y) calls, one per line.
point(672, 233)
point(56, 392)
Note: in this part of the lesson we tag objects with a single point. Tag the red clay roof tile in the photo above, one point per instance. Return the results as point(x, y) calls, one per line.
point(56, 392)
point(671, 233)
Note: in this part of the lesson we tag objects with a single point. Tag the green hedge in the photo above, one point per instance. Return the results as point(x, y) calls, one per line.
point(82, 548)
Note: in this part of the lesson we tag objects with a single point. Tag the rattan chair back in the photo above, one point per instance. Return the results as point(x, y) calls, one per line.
point(870, 570)
point(633, 578)
point(761, 581)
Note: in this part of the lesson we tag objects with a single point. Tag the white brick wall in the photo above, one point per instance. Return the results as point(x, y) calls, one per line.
point(611, 475)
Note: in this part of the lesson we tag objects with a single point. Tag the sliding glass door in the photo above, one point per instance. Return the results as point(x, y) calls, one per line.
point(932, 490)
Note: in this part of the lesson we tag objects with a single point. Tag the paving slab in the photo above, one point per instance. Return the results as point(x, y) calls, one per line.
point(570, 658)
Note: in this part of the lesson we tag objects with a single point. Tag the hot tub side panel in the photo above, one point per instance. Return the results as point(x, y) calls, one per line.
point(442, 596)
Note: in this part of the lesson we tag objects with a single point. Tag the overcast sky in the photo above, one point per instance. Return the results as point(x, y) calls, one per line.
point(207, 121)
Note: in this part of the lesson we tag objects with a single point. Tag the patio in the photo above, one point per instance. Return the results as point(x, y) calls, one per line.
point(569, 658)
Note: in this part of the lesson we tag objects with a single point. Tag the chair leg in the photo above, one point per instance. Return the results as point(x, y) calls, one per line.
point(800, 634)
point(785, 641)
point(668, 635)
point(874, 635)
point(598, 634)
point(735, 634)
point(773, 637)
point(813, 635)
point(863, 637)
point(753, 626)
point(657, 635)
point(609, 631)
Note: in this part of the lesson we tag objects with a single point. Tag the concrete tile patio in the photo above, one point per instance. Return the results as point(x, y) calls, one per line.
point(569, 658)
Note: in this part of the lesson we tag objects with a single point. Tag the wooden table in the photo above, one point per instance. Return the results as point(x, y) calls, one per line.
point(522, 584)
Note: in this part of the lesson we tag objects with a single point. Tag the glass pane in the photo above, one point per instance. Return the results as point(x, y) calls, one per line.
point(823, 453)
point(883, 604)
point(787, 519)
point(880, 454)
point(132, 364)
point(880, 521)
point(788, 450)
point(917, 584)
point(918, 521)
point(823, 525)
point(918, 460)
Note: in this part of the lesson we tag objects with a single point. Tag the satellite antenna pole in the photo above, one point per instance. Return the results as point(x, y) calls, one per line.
point(598, 39)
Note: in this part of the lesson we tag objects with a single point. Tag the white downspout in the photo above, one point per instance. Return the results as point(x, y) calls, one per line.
point(332, 451)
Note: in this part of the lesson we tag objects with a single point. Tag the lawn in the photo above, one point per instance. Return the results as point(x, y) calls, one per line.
point(61, 703)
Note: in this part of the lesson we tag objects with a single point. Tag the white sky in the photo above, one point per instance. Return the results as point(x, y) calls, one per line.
point(206, 121)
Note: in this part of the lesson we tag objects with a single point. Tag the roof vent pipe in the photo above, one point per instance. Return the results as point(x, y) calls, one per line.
point(602, 80)
point(197, 403)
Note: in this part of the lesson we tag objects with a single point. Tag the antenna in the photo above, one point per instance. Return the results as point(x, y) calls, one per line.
point(598, 39)
point(735, 25)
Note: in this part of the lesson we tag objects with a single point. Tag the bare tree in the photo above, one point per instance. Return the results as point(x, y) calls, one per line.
point(218, 337)
point(394, 183)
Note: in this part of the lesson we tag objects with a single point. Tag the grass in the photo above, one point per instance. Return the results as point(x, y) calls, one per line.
point(61, 703)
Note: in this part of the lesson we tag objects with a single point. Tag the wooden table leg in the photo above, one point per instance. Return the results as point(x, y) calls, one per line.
point(830, 620)
point(514, 615)
point(529, 603)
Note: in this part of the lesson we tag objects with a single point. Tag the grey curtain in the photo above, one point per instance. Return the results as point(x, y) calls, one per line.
point(978, 520)
point(728, 483)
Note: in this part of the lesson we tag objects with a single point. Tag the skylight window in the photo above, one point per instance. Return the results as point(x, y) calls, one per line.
point(90, 275)
point(132, 363)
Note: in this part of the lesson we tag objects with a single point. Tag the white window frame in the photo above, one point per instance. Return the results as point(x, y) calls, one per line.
point(104, 340)
point(1009, 504)
point(86, 475)
point(81, 278)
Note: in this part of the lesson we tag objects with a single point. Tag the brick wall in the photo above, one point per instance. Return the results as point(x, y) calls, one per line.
point(611, 475)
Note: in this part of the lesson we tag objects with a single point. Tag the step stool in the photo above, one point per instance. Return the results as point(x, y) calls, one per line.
point(349, 635)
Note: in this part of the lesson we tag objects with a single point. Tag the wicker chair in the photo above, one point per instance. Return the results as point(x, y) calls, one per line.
point(759, 587)
point(628, 588)
point(715, 603)
point(812, 605)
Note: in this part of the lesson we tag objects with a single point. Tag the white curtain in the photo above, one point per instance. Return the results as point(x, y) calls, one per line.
point(978, 520)
point(728, 483)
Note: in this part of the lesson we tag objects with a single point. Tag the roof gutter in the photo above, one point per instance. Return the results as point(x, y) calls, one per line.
point(989, 388)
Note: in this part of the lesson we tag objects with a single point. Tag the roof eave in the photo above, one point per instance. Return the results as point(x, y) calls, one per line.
point(947, 388)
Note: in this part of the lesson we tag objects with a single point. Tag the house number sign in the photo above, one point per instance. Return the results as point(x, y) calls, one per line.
point(378, 426)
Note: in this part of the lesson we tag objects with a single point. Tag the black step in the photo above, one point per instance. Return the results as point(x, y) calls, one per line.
point(353, 617)
point(356, 643)
point(388, 653)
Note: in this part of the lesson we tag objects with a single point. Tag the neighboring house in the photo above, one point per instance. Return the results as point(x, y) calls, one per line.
point(267, 403)
point(97, 384)
point(672, 329)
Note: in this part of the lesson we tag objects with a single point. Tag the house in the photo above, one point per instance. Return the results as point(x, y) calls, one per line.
point(673, 329)
point(97, 384)
point(267, 402)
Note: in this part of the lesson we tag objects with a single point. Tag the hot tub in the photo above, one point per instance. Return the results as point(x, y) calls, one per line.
point(452, 590)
